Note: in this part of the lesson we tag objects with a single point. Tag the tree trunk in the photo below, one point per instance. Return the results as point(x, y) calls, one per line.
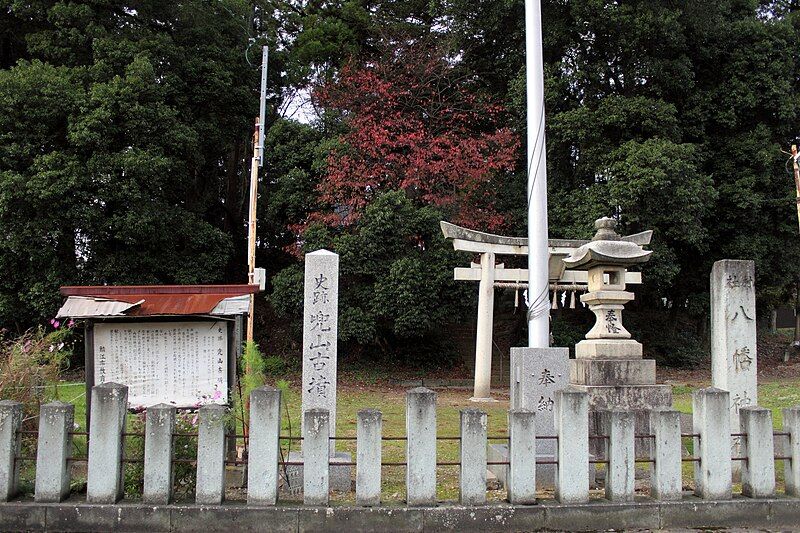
point(797, 313)
point(797, 325)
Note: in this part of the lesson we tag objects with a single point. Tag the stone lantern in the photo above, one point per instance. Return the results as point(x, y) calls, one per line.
point(608, 364)
point(607, 258)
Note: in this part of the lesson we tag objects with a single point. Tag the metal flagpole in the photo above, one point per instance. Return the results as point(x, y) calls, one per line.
point(538, 254)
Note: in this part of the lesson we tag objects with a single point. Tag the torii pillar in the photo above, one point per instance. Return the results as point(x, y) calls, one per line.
point(483, 337)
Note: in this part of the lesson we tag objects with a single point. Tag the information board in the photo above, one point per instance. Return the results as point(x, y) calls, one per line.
point(178, 363)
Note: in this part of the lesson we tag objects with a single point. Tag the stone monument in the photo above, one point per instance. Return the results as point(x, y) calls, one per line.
point(733, 337)
point(536, 373)
point(608, 364)
point(320, 334)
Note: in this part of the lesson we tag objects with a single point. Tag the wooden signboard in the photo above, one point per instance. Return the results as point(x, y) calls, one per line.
point(179, 363)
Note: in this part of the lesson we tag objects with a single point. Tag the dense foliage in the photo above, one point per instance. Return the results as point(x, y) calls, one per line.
point(30, 366)
point(125, 129)
point(413, 123)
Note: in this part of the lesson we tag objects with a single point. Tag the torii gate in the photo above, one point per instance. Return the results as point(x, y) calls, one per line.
point(491, 275)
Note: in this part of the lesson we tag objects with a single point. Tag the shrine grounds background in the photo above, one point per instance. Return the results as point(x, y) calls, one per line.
point(125, 147)
point(360, 388)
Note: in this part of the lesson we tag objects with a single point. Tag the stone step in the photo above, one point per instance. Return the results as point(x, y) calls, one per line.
point(628, 396)
point(608, 349)
point(612, 371)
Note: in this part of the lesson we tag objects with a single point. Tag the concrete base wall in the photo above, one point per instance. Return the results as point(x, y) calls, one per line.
point(775, 513)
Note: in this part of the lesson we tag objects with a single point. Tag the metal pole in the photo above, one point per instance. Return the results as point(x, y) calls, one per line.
point(258, 161)
point(262, 111)
point(538, 254)
point(251, 233)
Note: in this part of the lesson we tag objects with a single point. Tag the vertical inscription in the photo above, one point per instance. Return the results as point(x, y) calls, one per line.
point(320, 333)
point(536, 376)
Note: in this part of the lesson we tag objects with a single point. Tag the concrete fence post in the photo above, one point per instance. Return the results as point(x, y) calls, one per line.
point(211, 455)
point(158, 471)
point(369, 430)
point(472, 479)
point(711, 420)
point(316, 456)
point(54, 449)
point(10, 445)
point(571, 412)
point(264, 446)
point(666, 483)
point(758, 471)
point(421, 447)
point(522, 456)
point(619, 429)
point(104, 480)
point(791, 468)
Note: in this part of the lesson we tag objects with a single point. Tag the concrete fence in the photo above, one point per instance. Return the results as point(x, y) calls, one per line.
point(711, 455)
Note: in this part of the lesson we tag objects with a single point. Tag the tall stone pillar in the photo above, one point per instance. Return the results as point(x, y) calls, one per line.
point(421, 447)
point(733, 338)
point(320, 335)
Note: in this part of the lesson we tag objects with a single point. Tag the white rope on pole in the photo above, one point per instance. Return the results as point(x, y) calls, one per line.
point(538, 253)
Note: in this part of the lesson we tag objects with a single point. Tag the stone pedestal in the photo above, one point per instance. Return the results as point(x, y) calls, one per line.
point(608, 364)
point(614, 375)
point(620, 384)
point(545, 474)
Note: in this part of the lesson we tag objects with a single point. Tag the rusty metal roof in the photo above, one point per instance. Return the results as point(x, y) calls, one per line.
point(153, 300)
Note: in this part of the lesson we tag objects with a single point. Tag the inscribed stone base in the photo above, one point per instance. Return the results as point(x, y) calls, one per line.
point(339, 477)
point(536, 374)
point(545, 474)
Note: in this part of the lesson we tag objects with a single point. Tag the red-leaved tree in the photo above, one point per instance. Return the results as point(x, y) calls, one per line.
point(415, 123)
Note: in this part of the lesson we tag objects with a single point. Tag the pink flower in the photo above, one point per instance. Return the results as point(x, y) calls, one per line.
point(194, 420)
point(217, 395)
point(56, 324)
point(71, 323)
point(52, 321)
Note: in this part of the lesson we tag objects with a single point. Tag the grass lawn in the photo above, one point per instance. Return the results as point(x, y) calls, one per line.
point(774, 395)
